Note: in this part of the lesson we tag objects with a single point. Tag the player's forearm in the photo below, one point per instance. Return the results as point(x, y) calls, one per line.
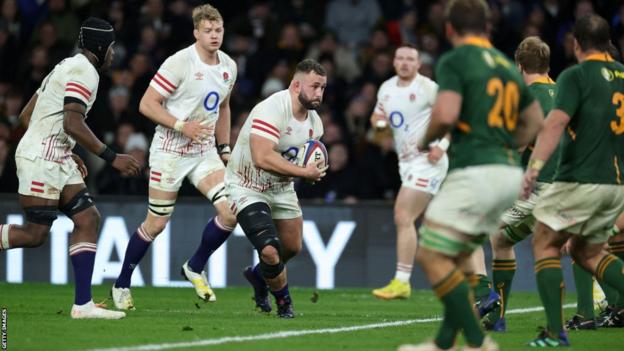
point(222, 127)
point(436, 131)
point(27, 111)
point(274, 163)
point(157, 113)
point(75, 126)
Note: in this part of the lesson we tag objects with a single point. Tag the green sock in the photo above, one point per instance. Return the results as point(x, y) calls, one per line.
point(616, 248)
point(480, 285)
point(447, 334)
point(502, 273)
point(550, 286)
point(459, 314)
point(610, 293)
point(611, 270)
point(584, 291)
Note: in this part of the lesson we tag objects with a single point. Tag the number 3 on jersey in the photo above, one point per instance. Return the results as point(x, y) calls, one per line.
point(504, 113)
point(618, 126)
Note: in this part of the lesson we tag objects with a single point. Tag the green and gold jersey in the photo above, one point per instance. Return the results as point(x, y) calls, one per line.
point(493, 94)
point(543, 90)
point(592, 94)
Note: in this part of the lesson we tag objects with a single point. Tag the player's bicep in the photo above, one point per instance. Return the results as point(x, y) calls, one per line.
point(152, 95)
point(557, 119)
point(74, 114)
point(532, 116)
point(260, 147)
point(446, 108)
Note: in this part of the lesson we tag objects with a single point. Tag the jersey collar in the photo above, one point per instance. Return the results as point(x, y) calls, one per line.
point(543, 80)
point(602, 56)
point(477, 41)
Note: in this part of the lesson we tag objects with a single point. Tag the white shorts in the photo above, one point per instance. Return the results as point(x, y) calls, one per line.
point(522, 209)
point(167, 171)
point(283, 201)
point(588, 210)
point(46, 179)
point(419, 174)
point(473, 199)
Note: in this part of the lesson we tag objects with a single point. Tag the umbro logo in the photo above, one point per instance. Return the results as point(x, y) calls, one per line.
point(199, 76)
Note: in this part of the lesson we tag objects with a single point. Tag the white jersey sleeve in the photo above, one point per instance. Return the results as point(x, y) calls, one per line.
point(431, 91)
point(267, 120)
point(379, 106)
point(170, 75)
point(81, 86)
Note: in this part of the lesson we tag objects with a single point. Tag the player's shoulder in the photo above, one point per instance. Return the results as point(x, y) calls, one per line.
point(572, 72)
point(277, 102)
point(226, 59)
point(389, 83)
point(181, 58)
point(426, 82)
point(79, 67)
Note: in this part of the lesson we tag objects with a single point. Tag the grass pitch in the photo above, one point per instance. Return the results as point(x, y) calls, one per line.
point(38, 319)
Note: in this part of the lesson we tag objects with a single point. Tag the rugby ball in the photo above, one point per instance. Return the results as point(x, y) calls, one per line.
point(312, 151)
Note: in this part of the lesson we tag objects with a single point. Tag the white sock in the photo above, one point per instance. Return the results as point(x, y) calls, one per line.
point(4, 236)
point(403, 272)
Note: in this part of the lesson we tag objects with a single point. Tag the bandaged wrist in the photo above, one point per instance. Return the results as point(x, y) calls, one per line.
point(536, 164)
point(444, 144)
point(178, 126)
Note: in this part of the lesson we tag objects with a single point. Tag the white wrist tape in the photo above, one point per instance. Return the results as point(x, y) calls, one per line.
point(178, 126)
point(444, 144)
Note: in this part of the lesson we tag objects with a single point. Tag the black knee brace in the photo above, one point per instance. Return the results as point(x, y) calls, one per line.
point(270, 271)
point(258, 226)
point(44, 215)
point(80, 202)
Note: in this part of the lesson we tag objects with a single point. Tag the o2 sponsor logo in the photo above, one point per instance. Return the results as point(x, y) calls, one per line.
point(291, 154)
point(396, 119)
point(211, 102)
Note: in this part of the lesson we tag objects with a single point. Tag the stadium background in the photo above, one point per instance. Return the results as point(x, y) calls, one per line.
point(354, 40)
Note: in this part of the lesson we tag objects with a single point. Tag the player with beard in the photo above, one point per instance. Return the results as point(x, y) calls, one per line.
point(259, 180)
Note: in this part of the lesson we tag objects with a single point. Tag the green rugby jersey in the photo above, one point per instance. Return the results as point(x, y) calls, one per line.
point(543, 90)
point(592, 94)
point(493, 94)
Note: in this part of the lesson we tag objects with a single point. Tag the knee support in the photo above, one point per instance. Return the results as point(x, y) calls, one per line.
point(217, 193)
point(44, 215)
point(271, 271)
point(258, 226)
point(161, 208)
point(80, 202)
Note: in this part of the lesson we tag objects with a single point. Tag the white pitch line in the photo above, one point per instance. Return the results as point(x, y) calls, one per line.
point(292, 333)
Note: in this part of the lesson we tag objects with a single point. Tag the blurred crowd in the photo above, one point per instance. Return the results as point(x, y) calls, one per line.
point(353, 39)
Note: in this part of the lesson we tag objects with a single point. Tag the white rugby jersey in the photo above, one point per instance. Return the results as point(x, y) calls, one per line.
point(193, 91)
point(45, 137)
point(272, 119)
point(408, 110)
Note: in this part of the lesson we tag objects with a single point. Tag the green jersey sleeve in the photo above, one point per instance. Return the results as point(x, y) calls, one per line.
point(526, 97)
point(568, 94)
point(447, 76)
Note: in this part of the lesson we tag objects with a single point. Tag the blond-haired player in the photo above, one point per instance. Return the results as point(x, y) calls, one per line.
point(189, 100)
